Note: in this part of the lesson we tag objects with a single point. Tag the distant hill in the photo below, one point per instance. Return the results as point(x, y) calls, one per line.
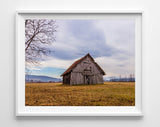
point(40, 78)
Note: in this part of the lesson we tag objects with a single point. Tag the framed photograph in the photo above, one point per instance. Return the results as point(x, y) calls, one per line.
point(78, 63)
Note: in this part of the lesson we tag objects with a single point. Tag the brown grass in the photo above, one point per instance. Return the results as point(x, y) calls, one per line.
point(57, 94)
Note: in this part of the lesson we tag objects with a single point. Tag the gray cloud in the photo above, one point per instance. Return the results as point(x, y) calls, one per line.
point(79, 38)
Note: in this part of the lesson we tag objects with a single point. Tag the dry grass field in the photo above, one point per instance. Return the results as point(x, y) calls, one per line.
point(57, 94)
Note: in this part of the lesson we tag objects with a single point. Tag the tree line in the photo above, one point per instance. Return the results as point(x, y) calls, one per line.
point(129, 78)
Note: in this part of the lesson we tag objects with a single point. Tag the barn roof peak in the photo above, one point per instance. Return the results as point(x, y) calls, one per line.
point(78, 61)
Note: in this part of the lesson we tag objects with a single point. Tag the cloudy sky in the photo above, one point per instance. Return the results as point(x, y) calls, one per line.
point(110, 42)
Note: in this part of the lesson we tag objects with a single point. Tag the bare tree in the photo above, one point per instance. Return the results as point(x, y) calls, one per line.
point(38, 34)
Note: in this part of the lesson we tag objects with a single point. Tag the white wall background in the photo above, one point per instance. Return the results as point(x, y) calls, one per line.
point(150, 54)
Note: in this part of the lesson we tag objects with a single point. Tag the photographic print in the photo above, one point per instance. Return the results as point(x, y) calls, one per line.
point(79, 62)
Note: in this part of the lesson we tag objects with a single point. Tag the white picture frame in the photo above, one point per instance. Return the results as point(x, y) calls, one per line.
point(22, 110)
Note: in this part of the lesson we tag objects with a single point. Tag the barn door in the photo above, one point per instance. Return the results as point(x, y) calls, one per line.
point(88, 80)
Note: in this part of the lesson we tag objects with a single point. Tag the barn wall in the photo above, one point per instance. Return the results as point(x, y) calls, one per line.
point(80, 67)
point(78, 73)
point(76, 78)
point(99, 79)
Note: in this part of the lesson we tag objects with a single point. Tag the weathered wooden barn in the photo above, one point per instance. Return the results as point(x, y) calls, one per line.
point(83, 71)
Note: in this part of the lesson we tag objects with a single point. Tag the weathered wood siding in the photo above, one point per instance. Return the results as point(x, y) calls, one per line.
point(86, 72)
point(76, 78)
